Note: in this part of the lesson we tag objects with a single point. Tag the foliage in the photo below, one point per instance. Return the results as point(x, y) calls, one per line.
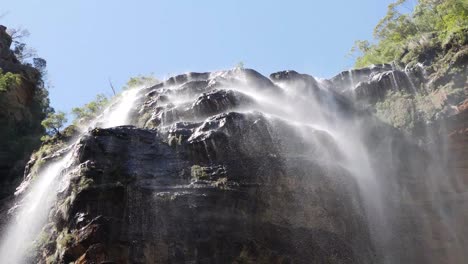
point(8, 80)
point(141, 80)
point(94, 108)
point(20, 49)
point(198, 172)
point(433, 24)
point(54, 122)
point(40, 64)
point(398, 109)
point(406, 111)
point(20, 120)
point(65, 238)
point(90, 110)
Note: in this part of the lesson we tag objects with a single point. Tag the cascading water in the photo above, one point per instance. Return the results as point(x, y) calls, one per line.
point(375, 170)
point(29, 218)
point(323, 127)
point(39, 194)
point(119, 115)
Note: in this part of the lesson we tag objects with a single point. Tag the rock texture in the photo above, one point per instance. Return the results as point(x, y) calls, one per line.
point(370, 85)
point(235, 167)
point(20, 115)
point(206, 180)
point(152, 203)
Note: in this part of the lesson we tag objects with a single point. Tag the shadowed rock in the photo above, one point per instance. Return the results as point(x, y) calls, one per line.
point(347, 80)
point(218, 101)
point(378, 85)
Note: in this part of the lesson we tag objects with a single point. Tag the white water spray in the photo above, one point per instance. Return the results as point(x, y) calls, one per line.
point(119, 115)
point(31, 213)
point(301, 108)
point(29, 217)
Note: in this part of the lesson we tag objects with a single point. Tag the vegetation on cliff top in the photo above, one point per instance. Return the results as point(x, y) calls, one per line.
point(24, 103)
point(90, 110)
point(433, 25)
point(141, 80)
point(432, 34)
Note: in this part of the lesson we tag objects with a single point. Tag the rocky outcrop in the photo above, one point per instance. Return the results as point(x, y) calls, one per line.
point(234, 167)
point(21, 111)
point(370, 85)
point(379, 84)
point(349, 79)
point(207, 177)
point(149, 202)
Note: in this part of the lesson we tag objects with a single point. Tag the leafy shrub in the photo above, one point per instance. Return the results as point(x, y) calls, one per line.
point(54, 122)
point(141, 80)
point(406, 111)
point(433, 24)
point(198, 172)
point(65, 238)
point(8, 80)
point(90, 110)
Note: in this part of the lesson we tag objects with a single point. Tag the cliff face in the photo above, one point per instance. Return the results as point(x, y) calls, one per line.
point(173, 204)
point(457, 129)
point(235, 167)
point(20, 116)
point(209, 185)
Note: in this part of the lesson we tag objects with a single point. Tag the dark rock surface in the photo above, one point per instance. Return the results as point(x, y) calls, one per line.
point(349, 79)
point(207, 178)
point(154, 203)
point(214, 169)
point(380, 83)
point(20, 117)
point(371, 84)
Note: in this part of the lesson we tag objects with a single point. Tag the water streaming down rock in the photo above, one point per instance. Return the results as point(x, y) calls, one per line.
point(235, 167)
point(119, 115)
point(31, 213)
point(37, 195)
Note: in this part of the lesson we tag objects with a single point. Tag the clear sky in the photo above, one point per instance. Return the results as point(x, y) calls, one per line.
point(86, 42)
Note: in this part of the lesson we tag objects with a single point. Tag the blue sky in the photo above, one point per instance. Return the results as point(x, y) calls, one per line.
point(86, 42)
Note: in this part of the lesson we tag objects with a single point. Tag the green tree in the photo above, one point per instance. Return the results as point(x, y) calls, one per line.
point(141, 80)
point(54, 122)
point(404, 36)
point(8, 80)
point(90, 110)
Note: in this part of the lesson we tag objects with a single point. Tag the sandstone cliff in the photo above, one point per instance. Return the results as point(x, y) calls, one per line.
point(21, 111)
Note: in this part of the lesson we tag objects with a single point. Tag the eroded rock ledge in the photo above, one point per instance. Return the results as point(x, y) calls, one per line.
point(136, 199)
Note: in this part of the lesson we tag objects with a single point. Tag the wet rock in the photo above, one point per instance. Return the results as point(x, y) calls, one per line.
point(347, 80)
point(192, 88)
point(219, 101)
point(245, 77)
point(209, 177)
point(188, 77)
point(293, 76)
point(378, 85)
point(303, 85)
point(148, 202)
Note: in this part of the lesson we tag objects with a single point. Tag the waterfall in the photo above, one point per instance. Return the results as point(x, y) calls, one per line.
point(119, 115)
point(396, 184)
point(375, 167)
point(28, 220)
point(39, 194)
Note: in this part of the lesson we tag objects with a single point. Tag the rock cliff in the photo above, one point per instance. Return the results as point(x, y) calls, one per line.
point(21, 111)
point(235, 167)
